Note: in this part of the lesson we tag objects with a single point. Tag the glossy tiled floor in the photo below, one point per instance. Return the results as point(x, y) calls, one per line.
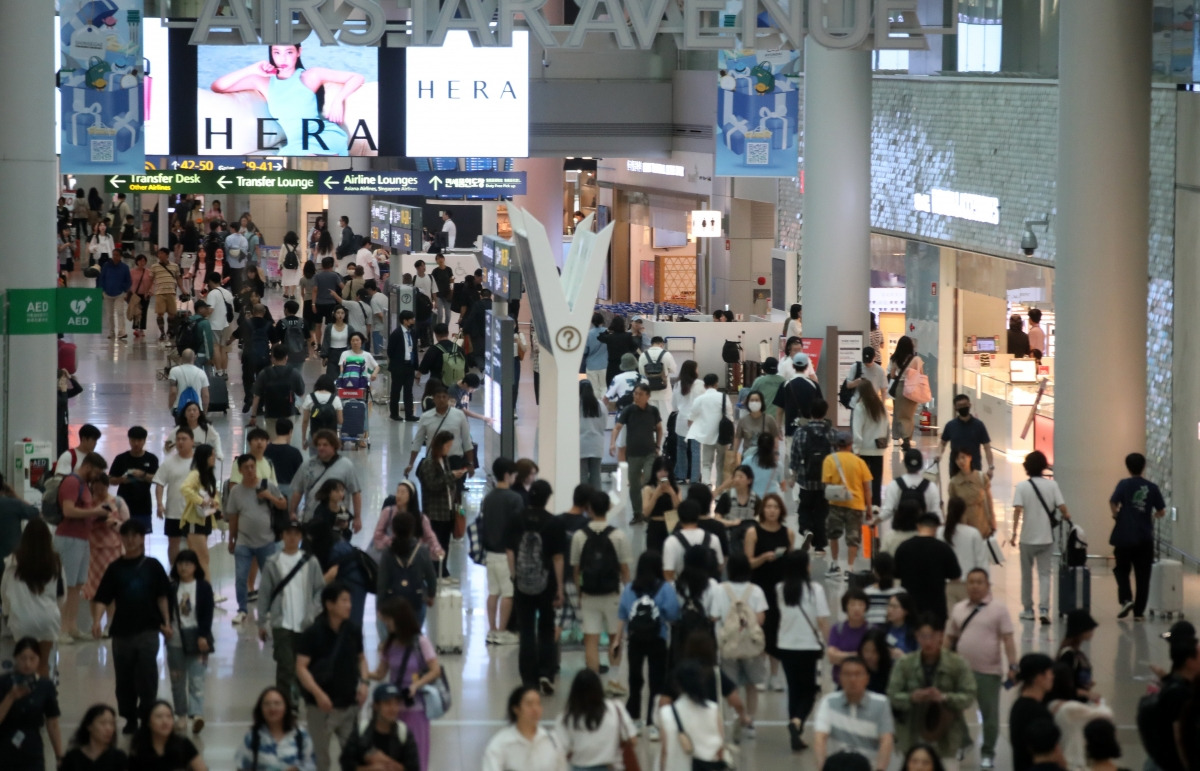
point(120, 390)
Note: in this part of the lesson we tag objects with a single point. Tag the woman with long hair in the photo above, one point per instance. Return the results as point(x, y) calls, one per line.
point(968, 545)
point(336, 556)
point(869, 429)
point(335, 341)
point(190, 606)
point(803, 627)
point(408, 660)
point(524, 743)
point(406, 570)
point(901, 615)
point(767, 463)
point(94, 745)
point(202, 501)
point(156, 745)
point(527, 471)
point(289, 278)
point(252, 283)
point(27, 702)
point(737, 504)
point(1101, 745)
point(883, 566)
point(312, 320)
point(202, 431)
point(904, 410)
point(593, 425)
point(768, 541)
point(315, 234)
point(792, 326)
point(922, 757)
point(648, 593)
point(276, 741)
point(324, 391)
point(904, 526)
point(876, 654)
point(296, 96)
point(104, 542)
point(405, 499)
point(975, 489)
point(33, 588)
point(694, 715)
point(660, 494)
point(100, 245)
point(593, 728)
point(1080, 628)
point(1072, 712)
point(685, 391)
point(332, 510)
point(440, 483)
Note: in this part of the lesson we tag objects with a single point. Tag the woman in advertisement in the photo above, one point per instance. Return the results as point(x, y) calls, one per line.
point(295, 94)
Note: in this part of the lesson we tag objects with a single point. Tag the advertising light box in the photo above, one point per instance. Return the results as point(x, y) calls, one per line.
point(293, 100)
point(468, 101)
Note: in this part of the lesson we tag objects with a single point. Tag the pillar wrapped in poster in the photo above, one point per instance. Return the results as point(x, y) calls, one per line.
point(757, 108)
point(100, 85)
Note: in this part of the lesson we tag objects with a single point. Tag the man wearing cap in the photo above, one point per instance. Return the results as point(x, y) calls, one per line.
point(289, 598)
point(868, 370)
point(1175, 690)
point(769, 382)
point(793, 402)
point(138, 587)
point(1035, 674)
point(912, 481)
point(621, 389)
point(845, 517)
point(979, 630)
point(382, 739)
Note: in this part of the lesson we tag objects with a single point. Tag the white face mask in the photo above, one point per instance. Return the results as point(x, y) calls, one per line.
point(754, 406)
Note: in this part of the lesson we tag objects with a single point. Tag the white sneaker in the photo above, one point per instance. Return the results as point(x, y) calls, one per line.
point(220, 598)
point(652, 733)
point(239, 618)
point(507, 638)
point(833, 571)
point(491, 637)
point(1027, 615)
point(778, 683)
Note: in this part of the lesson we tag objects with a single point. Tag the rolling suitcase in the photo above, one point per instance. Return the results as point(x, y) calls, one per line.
point(448, 621)
point(218, 392)
point(1166, 588)
point(354, 421)
point(1074, 589)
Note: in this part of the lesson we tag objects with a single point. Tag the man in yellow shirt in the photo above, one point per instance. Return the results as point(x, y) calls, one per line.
point(845, 470)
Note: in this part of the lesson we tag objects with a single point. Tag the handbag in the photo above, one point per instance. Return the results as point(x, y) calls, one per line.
point(725, 426)
point(994, 550)
point(838, 493)
point(460, 525)
point(436, 694)
point(845, 392)
point(916, 386)
point(626, 749)
point(189, 640)
point(895, 386)
point(475, 548)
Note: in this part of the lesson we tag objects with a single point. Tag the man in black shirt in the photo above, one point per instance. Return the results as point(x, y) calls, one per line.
point(643, 427)
point(967, 432)
point(794, 399)
point(535, 547)
point(1175, 691)
point(386, 735)
point(138, 585)
point(1035, 673)
point(443, 277)
point(498, 511)
point(923, 566)
point(332, 672)
point(1043, 739)
point(286, 459)
point(133, 472)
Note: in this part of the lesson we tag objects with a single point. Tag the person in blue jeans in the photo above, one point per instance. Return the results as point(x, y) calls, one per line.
point(251, 537)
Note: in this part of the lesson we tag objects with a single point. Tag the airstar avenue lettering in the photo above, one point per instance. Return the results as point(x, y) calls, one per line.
point(878, 24)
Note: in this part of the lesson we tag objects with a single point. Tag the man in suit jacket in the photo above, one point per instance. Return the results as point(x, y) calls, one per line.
point(402, 364)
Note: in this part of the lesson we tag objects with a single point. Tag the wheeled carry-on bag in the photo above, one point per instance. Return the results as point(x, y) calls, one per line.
point(1166, 588)
point(218, 391)
point(448, 620)
point(1074, 589)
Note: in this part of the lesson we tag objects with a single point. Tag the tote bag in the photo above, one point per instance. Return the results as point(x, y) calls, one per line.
point(916, 386)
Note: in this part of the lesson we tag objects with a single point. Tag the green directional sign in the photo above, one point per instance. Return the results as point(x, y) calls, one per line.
point(237, 181)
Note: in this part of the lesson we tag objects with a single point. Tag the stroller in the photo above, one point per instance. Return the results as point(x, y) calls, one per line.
point(353, 388)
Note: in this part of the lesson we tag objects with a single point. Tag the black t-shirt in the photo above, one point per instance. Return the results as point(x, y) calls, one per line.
point(286, 459)
point(111, 759)
point(1138, 499)
point(20, 733)
point(796, 397)
point(970, 435)
point(719, 530)
point(553, 538)
point(333, 666)
point(499, 509)
point(1171, 699)
point(178, 754)
point(444, 278)
point(136, 586)
point(923, 565)
point(135, 492)
point(1025, 711)
point(570, 524)
point(640, 427)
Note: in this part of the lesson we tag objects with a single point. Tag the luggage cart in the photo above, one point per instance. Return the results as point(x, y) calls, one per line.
point(353, 388)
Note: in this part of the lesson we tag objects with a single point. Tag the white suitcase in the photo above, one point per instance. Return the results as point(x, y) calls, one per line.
point(447, 621)
point(1166, 588)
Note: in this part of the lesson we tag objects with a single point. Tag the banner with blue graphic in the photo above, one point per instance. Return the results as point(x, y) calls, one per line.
point(100, 85)
point(758, 104)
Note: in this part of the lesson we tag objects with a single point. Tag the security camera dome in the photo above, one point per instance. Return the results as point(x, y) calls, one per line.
point(1029, 242)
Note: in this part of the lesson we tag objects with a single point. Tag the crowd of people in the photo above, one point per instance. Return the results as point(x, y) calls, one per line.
point(735, 497)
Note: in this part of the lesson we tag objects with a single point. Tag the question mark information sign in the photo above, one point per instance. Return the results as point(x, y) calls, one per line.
point(50, 311)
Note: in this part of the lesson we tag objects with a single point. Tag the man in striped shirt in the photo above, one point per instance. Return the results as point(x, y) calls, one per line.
point(855, 719)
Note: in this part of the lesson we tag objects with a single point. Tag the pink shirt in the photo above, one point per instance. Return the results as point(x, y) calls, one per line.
point(72, 489)
point(981, 643)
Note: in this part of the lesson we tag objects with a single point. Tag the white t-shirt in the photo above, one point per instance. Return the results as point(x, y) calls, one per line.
point(64, 466)
point(171, 475)
point(185, 600)
point(307, 405)
point(339, 338)
point(599, 747)
point(795, 631)
point(219, 299)
point(673, 549)
point(1035, 522)
point(365, 259)
point(369, 361)
point(425, 285)
point(210, 437)
point(451, 231)
point(379, 311)
point(185, 375)
point(295, 593)
point(356, 315)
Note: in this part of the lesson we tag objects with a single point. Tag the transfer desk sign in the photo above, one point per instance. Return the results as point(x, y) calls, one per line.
point(451, 184)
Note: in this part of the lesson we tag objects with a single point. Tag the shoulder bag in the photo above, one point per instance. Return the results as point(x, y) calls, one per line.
point(815, 629)
point(279, 587)
point(838, 493)
point(1045, 506)
point(685, 743)
point(435, 694)
point(895, 387)
point(626, 750)
point(916, 386)
point(725, 426)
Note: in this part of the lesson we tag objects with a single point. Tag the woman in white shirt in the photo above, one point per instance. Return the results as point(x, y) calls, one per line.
point(793, 326)
point(335, 341)
point(691, 725)
point(34, 584)
point(803, 626)
point(202, 431)
point(524, 745)
point(1039, 500)
point(968, 545)
point(869, 426)
point(707, 410)
point(592, 729)
point(683, 395)
point(101, 244)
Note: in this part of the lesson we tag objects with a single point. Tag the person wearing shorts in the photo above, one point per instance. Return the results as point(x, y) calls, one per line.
point(598, 612)
point(845, 518)
point(71, 537)
point(166, 285)
point(499, 510)
point(168, 488)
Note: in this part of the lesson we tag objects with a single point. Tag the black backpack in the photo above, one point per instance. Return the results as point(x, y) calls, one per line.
point(189, 336)
point(599, 569)
point(731, 352)
point(914, 494)
point(294, 339)
point(846, 393)
point(322, 415)
point(692, 618)
point(645, 624)
point(277, 392)
point(711, 565)
point(424, 307)
point(290, 260)
point(814, 448)
point(405, 581)
point(656, 375)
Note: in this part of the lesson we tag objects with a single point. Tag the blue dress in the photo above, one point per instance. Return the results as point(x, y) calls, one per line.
point(290, 103)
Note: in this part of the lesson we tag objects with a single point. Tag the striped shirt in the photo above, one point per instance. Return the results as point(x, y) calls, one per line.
point(854, 727)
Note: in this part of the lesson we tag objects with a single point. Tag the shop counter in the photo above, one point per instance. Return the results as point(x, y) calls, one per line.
point(1005, 408)
point(702, 341)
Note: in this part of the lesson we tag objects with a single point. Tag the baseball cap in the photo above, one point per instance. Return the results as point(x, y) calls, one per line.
point(771, 365)
point(201, 304)
point(384, 692)
point(913, 459)
point(800, 360)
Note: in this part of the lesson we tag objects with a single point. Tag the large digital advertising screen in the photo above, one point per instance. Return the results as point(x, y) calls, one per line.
point(468, 101)
point(294, 100)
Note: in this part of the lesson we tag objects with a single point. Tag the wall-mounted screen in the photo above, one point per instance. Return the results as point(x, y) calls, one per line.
point(287, 100)
point(666, 239)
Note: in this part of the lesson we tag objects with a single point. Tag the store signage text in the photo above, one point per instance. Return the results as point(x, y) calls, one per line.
point(646, 167)
point(963, 206)
point(878, 24)
point(481, 184)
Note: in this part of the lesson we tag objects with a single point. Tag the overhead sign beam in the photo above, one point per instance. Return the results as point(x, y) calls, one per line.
point(481, 184)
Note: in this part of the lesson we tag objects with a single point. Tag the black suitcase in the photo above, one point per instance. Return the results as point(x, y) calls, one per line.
point(1074, 589)
point(218, 391)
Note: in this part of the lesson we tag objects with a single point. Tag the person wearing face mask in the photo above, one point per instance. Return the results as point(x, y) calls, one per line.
point(967, 433)
point(755, 422)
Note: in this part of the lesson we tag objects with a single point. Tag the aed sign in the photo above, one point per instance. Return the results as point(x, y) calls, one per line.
point(468, 101)
point(51, 311)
